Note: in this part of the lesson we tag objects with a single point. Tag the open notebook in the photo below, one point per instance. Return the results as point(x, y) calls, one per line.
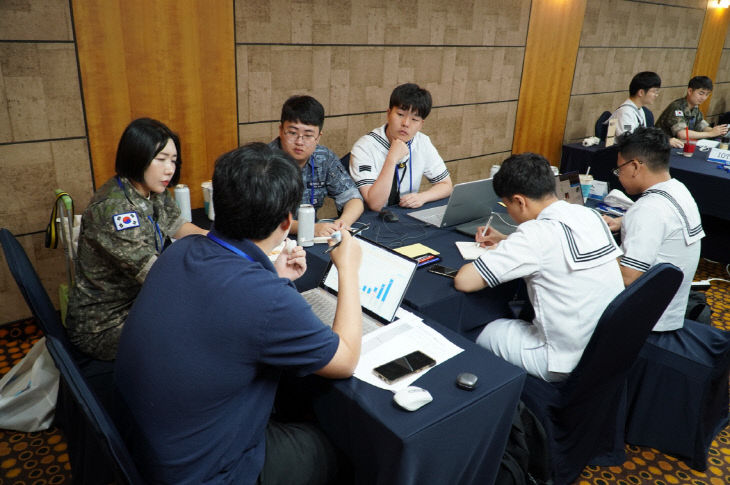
point(384, 279)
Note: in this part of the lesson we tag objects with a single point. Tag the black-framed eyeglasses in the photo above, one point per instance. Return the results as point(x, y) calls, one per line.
point(618, 169)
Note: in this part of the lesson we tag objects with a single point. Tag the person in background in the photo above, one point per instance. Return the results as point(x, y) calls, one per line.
point(302, 119)
point(214, 327)
point(567, 257)
point(663, 225)
point(684, 113)
point(124, 229)
point(387, 164)
point(643, 91)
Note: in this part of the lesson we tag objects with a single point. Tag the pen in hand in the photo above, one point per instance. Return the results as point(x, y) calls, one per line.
point(352, 233)
point(486, 228)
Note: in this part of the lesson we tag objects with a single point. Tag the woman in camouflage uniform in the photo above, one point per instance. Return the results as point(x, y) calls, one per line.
point(126, 226)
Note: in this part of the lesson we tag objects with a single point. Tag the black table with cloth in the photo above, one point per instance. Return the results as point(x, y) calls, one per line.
point(457, 438)
point(708, 185)
point(430, 294)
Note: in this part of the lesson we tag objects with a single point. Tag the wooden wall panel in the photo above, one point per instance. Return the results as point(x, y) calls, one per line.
point(709, 49)
point(623, 37)
point(170, 60)
point(547, 75)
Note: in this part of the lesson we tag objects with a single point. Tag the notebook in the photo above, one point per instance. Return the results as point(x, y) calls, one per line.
point(469, 201)
point(384, 279)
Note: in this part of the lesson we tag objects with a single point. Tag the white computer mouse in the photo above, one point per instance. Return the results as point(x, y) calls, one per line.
point(412, 398)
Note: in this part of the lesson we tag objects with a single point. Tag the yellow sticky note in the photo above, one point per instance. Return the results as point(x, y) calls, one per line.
point(414, 250)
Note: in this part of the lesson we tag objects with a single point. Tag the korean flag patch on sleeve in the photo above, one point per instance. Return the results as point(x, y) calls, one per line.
point(127, 220)
point(678, 112)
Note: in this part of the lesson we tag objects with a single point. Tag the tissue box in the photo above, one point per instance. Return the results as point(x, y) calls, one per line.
point(599, 190)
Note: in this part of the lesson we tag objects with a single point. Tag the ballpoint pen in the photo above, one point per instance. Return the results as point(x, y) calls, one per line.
point(486, 227)
point(352, 233)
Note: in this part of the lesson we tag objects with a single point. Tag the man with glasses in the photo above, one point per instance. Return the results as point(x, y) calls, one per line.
point(643, 91)
point(302, 119)
point(663, 225)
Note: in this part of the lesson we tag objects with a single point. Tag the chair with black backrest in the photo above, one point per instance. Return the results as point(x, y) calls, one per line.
point(649, 117)
point(99, 374)
point(106, 437)
point(600, 128)
point(345, 161)
point(687, 371)
point(584, 416)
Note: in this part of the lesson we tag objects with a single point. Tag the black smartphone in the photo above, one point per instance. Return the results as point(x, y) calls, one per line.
point(443, 270)
point(404, 366)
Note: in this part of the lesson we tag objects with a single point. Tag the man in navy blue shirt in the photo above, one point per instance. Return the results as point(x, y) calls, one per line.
point(212, 329)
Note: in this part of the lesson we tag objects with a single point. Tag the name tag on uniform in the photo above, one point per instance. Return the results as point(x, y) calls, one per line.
point(127, 220)
point(678, 112)
point(315, 185)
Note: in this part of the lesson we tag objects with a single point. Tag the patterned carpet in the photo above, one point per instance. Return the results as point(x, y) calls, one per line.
point(42, 459)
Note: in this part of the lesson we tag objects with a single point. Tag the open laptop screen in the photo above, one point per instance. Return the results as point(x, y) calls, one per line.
point(384, 279)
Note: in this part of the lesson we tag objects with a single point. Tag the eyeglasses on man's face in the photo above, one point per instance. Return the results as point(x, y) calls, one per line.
point(293, 136)
point(617, 170)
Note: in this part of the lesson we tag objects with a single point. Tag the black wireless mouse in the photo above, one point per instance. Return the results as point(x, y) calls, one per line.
point(388, 216)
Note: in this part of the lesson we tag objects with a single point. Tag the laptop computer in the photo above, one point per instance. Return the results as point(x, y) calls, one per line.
point(501, 220)
point(468, 201)
point(385, 276)
point(567, 187)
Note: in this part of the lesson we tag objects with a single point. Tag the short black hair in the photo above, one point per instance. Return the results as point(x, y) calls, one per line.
point(650, 145)
point(255, 187)
point(304, 109)
point(140, 143)
point(410, 96)
point(528, 174)
point(700, 82)
point(644, 80)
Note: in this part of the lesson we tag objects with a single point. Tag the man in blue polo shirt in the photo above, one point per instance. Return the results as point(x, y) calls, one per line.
point(214, 326)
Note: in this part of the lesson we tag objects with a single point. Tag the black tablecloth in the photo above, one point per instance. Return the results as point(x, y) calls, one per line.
point(457, 438)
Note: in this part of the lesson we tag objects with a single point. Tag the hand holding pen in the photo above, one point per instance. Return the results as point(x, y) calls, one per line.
point(352, 233)
point(481, 238)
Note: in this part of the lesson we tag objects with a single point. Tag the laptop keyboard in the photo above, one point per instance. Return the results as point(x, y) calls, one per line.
point(324, 306)
point(433, 215)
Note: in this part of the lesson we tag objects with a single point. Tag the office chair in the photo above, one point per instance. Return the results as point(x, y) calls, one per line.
point(584, 416)
point(649, 117)
point(345, 161)
point(98, 373)
point(105, 435)
point(600, 128)
point(678, 392)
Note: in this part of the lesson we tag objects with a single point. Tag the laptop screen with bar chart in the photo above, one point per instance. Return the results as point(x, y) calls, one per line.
point(384, 279)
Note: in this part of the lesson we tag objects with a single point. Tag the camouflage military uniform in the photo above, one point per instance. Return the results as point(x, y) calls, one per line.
point(118, 244)
point(671, 121)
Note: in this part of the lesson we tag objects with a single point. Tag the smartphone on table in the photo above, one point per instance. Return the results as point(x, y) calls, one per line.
point(404, 366)
point(443, 270)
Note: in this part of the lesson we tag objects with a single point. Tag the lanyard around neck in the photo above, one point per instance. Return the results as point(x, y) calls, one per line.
point(311, 180)
point(405, 166)
point(230, 247)
point(159, 238)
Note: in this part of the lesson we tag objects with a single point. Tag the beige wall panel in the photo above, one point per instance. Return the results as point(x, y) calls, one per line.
point(607, 69)
point(35, 20)
point(474, 168)
point(50, 266)
point(491, 22)
point(31, 171)
point(720, 102)
point(40, 92)
point(723, 70)
point(348, 79)
point(617, 23)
